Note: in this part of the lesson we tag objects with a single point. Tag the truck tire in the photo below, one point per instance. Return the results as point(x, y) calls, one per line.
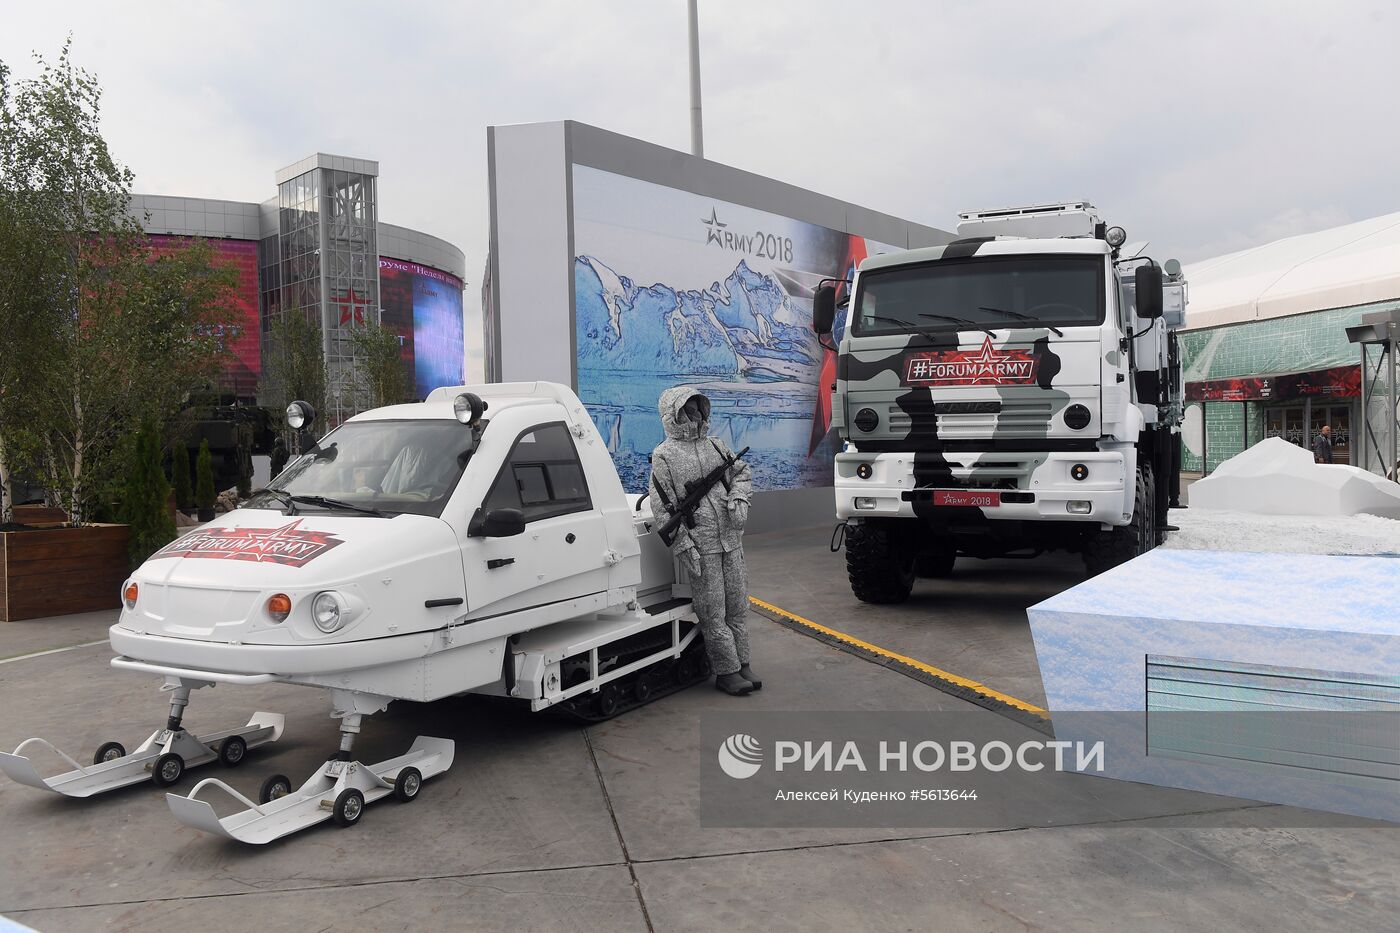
point(1107, 549)
point(936, 562)
point(879, 565)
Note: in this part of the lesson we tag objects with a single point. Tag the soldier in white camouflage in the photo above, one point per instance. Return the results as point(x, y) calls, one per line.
point(712, 551)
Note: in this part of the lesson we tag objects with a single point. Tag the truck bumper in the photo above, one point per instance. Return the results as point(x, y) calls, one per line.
point(902, 485)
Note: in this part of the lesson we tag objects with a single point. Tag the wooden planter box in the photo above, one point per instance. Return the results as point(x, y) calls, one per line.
point(52, 570)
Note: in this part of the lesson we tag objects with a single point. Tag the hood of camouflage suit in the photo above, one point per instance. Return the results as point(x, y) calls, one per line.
point(670, 405)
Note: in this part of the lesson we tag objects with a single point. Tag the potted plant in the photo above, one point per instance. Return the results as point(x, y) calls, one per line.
point(204, 495)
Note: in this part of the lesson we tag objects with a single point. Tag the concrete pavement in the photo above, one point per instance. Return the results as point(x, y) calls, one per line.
point(542, 824)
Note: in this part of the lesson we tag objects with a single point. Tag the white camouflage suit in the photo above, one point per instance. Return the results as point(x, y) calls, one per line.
point(713, 550)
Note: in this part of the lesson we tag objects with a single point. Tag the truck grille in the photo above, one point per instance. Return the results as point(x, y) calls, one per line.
point(1007, 418)
point(1009, 471)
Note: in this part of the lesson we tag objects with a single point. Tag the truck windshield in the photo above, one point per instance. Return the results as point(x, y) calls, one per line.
point(981, 293)
point(368, 467)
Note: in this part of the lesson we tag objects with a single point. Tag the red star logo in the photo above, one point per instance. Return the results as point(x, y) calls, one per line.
point(351, 306)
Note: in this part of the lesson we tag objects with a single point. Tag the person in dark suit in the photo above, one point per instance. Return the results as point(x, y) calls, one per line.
point(1322, 445)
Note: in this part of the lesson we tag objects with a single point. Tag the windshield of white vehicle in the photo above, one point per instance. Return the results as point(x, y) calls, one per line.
point(988, 293)
point(386, 467)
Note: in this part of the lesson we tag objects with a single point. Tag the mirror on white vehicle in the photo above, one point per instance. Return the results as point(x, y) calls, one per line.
point(497, 523)
point(823, 309)
point(1147, 288)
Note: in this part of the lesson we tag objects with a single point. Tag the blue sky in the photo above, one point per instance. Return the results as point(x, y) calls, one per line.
point(1203, 127)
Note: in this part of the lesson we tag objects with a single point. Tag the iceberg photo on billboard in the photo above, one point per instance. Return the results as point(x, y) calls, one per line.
point(673, 288)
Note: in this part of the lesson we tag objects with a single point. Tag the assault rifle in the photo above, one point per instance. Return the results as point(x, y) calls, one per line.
point(683, 512)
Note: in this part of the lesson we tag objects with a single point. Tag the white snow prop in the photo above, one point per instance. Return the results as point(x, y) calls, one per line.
point(1275, 477)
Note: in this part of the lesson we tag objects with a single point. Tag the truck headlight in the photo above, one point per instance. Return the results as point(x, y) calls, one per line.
point(328, 612)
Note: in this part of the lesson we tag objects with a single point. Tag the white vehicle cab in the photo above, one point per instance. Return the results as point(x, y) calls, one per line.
point(479, 541)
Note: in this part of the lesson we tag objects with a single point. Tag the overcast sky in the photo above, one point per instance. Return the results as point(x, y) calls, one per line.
point(1203, 127)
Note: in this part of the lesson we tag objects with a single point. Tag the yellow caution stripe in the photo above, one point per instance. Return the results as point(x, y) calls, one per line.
point(936, 673)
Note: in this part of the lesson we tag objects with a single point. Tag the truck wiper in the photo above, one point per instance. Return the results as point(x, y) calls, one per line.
point(336, 504)
point(1024, 317)
point(957, 320)
point(905, 326)
point(282, 498)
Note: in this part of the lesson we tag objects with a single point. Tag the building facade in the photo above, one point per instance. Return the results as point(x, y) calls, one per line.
point(1265, 352)
point(318, 249)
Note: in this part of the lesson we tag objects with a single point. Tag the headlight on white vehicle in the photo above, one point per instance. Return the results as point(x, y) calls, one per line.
point(328, 611)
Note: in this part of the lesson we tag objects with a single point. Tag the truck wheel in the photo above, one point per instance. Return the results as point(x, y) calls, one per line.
point(879, 566)
point(935, 563)
point(1107, 549)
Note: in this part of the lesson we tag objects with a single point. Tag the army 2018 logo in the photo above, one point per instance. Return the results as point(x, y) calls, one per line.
point(288, 544)
point(987, 366)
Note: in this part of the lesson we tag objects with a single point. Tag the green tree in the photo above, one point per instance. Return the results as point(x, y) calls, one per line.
point(146, 499)
point(204, 494)
point(294, 364)
point(381, 374)
point(97, 333)
point(180, 468)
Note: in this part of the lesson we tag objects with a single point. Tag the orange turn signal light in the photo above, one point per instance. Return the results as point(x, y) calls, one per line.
point(129, 595)
point(279, 606)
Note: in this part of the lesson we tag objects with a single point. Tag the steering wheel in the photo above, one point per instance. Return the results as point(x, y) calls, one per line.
point(422, 491)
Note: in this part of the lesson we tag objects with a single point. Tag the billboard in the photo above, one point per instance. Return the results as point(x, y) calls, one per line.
point(424, 306)
point(243, 362)
point(675, 288)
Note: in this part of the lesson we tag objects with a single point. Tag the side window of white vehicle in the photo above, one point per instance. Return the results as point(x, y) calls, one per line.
point(542, 476)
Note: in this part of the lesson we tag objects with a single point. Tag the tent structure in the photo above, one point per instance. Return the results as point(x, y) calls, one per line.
point(1355, 264)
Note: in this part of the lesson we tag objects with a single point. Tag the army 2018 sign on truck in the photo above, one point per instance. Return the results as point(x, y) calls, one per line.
point(1012, 392)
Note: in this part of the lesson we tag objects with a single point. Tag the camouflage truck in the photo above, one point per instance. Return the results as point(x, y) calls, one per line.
point(1013, 392)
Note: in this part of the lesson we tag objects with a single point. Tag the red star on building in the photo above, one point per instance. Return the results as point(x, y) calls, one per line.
point(352, 306)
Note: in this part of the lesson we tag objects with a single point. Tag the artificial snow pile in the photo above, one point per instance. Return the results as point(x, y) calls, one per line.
point(1274, 498)
point(1275, 477)
point(1207, 530)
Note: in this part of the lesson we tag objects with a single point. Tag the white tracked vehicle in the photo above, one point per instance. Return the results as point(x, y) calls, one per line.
point(477, 542)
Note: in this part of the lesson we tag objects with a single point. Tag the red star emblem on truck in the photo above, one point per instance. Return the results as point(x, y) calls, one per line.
point(287, 545)
point(986, 366)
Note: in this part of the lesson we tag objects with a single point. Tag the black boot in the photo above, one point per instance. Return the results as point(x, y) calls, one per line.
point(747, 673)
point(733, 684)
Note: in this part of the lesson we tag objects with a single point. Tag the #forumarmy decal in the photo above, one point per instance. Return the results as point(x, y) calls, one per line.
point(984, 366)
point(289, 544)
point(673, 288)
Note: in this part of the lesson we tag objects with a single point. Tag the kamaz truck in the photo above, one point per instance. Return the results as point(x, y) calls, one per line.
point(1013, 392)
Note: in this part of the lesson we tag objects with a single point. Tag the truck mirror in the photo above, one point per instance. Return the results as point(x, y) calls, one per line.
point(497, 523)
point(1147, 289)
point(823, 309)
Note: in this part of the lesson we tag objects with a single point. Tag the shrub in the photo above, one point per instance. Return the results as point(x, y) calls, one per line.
point(204, 494)
point(146, 498)
point(180, 468)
